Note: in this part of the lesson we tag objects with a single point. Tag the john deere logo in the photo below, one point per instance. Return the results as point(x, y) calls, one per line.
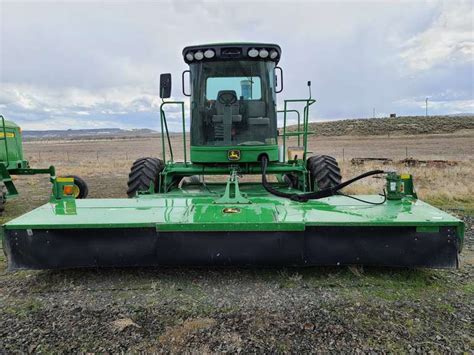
point(231, 210)
point(233, 154)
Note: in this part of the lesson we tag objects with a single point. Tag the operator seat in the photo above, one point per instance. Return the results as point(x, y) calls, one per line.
point(227, 112)
point(257, 113)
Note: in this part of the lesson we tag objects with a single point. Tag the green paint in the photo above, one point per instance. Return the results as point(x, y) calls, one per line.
point(428, 229)
point(11, 147)
point(248, 154)
point(232, 193)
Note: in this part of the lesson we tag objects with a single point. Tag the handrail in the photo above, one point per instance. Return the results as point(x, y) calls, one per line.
point(164, 127)
point(308, 102)
point(305, 137)
point(163, 121)
point(299, 120)
point(6, 142)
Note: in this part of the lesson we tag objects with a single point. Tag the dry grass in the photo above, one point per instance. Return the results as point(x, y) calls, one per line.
point(176, 337)
point(393, 126)
point(448, 187)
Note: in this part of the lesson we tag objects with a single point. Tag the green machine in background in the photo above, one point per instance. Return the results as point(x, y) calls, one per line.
point(13, 162)
point(199, 211)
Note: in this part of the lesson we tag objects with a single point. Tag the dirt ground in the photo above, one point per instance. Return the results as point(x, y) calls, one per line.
point(244, 310)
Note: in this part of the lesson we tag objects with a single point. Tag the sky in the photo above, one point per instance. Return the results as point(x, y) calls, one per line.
point(96, 64)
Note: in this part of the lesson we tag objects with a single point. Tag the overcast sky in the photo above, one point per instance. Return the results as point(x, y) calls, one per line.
point(92, 64)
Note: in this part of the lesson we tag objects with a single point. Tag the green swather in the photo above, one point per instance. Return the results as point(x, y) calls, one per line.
point(198, 211)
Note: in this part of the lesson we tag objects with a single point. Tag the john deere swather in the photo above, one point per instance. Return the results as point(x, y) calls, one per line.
point(177, 214)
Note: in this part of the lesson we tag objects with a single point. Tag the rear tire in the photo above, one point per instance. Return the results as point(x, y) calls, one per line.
point(324, 172)
point(145, 172)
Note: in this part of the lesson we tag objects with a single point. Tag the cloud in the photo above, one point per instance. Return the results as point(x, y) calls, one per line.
point(448, 40)
point(88, 64)
point(125, 107)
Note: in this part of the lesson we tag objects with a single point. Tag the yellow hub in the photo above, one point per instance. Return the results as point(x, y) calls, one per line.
point(76, 191)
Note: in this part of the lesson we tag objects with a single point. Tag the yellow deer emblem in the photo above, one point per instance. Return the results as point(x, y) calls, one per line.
point(233, 154)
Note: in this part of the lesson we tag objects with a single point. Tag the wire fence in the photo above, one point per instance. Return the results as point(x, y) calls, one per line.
point(114, 156)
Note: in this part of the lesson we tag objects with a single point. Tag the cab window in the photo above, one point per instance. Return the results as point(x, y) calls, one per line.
point(247, 88)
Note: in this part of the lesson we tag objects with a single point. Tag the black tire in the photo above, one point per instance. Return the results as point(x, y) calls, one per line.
point(3, 199)
point(189, 180)
point(291, 180)
point(144, 171)
point(82, 190)
point(324, 172)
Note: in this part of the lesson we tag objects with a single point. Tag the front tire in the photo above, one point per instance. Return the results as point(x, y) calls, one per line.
point(324, 172)
point(145, 172)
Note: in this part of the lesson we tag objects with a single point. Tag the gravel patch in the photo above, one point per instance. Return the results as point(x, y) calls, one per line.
point(240, 310)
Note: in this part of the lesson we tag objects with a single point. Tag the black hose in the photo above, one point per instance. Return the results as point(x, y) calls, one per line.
point(384, 195)
point(331, 191)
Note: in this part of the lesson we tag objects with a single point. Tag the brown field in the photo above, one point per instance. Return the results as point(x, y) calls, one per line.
point(277, 310)
point(105, 163)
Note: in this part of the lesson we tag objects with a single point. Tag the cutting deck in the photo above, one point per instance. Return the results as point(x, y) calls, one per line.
point(188, 228)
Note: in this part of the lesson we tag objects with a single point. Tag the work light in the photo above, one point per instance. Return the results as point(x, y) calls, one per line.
point(189, 56)
point(253, 53)
point(273, 54)
point(198, 55)
point(263, 53)
point(209, 54)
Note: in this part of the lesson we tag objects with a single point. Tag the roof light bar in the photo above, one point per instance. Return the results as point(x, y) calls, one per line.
point(232, 51)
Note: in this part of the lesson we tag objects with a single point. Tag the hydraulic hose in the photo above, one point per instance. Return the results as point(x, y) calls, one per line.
point(331, 191)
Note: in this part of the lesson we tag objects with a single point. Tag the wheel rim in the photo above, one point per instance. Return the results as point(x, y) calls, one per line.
point(76, 191)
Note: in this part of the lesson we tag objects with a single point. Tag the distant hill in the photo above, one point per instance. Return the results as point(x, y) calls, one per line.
point(96, 133)
point(398, 125)
point(356, 127)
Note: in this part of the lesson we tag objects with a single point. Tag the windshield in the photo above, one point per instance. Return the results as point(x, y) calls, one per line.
point(247, 87)
point(233, 103)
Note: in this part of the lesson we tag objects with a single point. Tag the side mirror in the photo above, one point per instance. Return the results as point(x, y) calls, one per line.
point(165, 85)
point(279, 85)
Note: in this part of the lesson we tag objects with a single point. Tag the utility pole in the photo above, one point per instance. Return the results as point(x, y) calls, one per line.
point(426, 102)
